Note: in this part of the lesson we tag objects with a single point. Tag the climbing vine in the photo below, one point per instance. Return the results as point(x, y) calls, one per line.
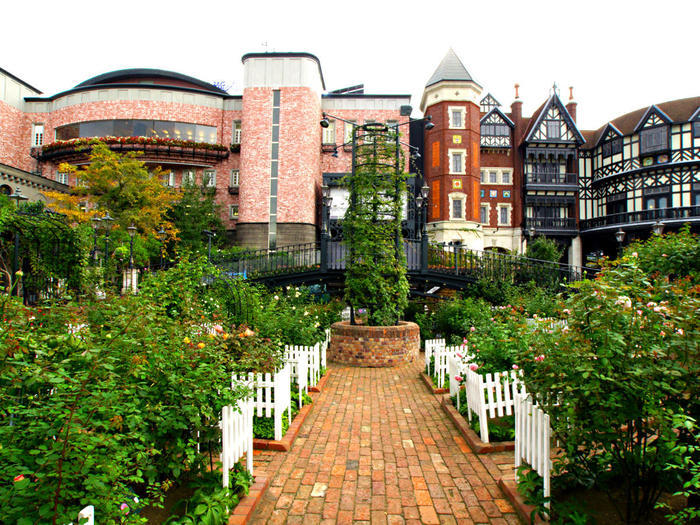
point(376, 269)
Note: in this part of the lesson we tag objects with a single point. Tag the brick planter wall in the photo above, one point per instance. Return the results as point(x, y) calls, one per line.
point(374, 346)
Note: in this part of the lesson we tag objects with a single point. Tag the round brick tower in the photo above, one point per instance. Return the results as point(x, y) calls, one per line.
point(452, 148)
point(280, 149)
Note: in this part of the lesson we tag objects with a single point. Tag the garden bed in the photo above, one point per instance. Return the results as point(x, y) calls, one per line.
point(290, 434)
point(471, 437)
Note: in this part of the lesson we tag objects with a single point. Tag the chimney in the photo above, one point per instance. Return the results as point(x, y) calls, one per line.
point(516, 108)
point(571, 104)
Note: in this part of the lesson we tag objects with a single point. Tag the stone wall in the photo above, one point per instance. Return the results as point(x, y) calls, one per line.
point(374, 346)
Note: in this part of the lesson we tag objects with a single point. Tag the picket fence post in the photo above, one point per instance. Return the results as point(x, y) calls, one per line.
point(532, 439)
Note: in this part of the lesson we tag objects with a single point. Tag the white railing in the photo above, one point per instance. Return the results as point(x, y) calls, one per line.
point(236, 436)
point(271, 395)
point(430, 346)
point(491, 395)
point(532, 439)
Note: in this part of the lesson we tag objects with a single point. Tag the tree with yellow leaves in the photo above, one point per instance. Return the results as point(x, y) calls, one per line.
point(120, 184)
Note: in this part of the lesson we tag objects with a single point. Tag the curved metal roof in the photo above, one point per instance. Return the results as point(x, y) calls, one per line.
point(115, 76)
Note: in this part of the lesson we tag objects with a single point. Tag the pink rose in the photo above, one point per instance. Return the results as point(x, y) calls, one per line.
point(458, 378)
point(473, 367)
point(472, 329)
point(515, 367)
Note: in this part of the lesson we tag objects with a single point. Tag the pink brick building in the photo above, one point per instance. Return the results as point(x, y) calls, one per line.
point(261, 152)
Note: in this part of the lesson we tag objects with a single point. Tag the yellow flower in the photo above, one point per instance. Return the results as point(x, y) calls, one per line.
point(200, 345)
point(186, 340)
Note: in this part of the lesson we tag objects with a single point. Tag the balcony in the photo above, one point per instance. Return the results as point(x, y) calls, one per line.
point(643, 218)
point(233, 190)
point(552, 225)
point(152, 149)
point(551, 181)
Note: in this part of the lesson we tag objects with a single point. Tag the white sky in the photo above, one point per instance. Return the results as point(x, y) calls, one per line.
point(619, 55)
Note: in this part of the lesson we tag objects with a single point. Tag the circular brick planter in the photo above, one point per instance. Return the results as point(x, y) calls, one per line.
point(375, 346)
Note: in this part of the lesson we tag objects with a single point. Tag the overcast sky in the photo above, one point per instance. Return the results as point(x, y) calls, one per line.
point(619, 55)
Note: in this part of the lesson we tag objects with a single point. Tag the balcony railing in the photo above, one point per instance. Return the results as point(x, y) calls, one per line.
point(551, 224)
point(551, 179)
point(680, 214)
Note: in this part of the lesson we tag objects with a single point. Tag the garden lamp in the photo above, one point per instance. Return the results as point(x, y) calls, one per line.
point(95, 226)
point(658, 227)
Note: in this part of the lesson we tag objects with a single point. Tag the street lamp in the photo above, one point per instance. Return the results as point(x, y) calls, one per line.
point(132, 231)
point(107, 220)
point(620, 237)
point(326, 200)
point(532, 232)
point(17, 195)
point(209, 235)
point(95, 225)
point(658, 228)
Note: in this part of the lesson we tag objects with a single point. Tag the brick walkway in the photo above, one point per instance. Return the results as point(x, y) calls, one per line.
point(378, 448)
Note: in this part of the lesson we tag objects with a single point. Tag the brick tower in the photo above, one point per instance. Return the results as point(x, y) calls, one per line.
point(280, 149)
point(452, 162)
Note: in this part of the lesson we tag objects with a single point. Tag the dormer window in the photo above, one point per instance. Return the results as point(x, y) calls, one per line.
point(612, 147)
point(653, 140)
point(553, 129)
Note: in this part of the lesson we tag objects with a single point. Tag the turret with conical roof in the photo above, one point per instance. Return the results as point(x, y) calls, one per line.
point(451, 169)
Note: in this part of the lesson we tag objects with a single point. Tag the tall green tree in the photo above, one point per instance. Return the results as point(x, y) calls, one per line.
point(195, 212)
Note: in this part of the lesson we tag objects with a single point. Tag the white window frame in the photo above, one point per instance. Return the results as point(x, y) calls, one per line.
point(457, 196)
point(463, 153)
point(348, 131)
point(457, 109)
point(329, 133)
point(236, 136)
point(483, 176)
point(510, 177)
point(502, 207)
point(189, 178)
point(209, 178)
point(488, 213)
point(62, 178)
point(37, 135)
point(231, 215)
point(234, 178)
point(493, 177)
point(170, 179)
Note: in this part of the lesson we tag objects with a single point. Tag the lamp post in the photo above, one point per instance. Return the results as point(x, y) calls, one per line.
point(209, 235)
point(95, 225)
point(107, 220)
point(619, 237)
point(161, 236)
point(17, 195)
point(132, 231)
point(658, 228)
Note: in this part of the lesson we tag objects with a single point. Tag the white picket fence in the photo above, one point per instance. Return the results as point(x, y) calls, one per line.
point(442, 356)
point(298, 371)
point(430, 346)
point(311, 356)
point(271, 395)
point(324, 347)
point(87, 513)
point(532, 439)
point(236, 436)
point(491, 395)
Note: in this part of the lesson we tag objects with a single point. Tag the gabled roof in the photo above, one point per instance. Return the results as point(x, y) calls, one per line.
point(681, 110)
point(652, 109)
point(696, 115)
point(451, 68)
point(492, 101)
point(608, 127)
point(538, 116)
point(501, 114)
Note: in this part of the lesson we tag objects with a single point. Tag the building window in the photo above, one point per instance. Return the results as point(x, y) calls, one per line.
point(616, 204)
point(457, 117)
point(170, 179)
point(138, 128)
point(457, 209)
point(37, 135)
point(695, 196)
point(233, 211)
point(612, 147)
point(234, 179)
point(657, 198)
point(505, 177)
point(493, 177)
point(457, 161)
point(209, 178)
point(504, 215)
point(553, 129)
point(188, 178)
point(236, 132)
point(483, 177)
point(329, 133)
point(696, 129)
point(62, 178)
point(653, 140)
point(484, 214)
point(349, 126)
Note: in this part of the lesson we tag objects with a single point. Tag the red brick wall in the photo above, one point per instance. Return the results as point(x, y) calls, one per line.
point(15, 138)
point(256, 135)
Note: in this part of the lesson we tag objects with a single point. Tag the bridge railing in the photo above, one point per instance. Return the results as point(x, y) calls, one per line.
point(475, 264)
point(281, 261)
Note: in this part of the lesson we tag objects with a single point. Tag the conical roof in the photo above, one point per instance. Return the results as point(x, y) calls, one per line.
point(451, 68)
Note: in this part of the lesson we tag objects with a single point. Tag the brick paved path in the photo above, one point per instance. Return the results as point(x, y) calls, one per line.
point(378, 448)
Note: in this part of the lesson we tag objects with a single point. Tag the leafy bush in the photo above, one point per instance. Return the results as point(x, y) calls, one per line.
point(544, 249)
point(454, 319)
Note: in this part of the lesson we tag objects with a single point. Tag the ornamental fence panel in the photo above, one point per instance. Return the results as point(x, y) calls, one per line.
point(491, 395)
point(271, 395)
point(532, 439)
point(430, 346)
point(236, 436)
